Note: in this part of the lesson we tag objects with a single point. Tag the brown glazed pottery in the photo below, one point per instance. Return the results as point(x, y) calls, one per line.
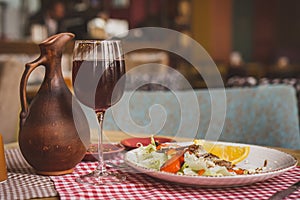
point(54, 133)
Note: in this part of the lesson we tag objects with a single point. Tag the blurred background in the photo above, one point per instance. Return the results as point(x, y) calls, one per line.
point(252, 42)
point(249, 38)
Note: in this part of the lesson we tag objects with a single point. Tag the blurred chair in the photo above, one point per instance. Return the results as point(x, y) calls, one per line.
point(252, 82)
point(265, 115)
point(10, 76)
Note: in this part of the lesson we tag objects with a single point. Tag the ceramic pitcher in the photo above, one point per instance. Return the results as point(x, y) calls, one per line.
point(54, 132)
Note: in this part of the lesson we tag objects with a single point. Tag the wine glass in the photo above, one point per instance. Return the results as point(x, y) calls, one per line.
point(98, 82)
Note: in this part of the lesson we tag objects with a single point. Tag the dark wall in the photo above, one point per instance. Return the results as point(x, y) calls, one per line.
point(242, 24)
point(264, 30)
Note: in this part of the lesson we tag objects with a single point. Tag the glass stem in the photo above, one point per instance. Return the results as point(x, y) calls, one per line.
point(101, 164)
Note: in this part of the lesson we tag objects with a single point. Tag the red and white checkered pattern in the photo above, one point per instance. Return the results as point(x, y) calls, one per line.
point(141, 186)
point(23, 182)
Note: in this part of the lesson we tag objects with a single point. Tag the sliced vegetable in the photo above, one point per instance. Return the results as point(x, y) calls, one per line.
point(238, 171)
point(173, 164)
point(201, 171)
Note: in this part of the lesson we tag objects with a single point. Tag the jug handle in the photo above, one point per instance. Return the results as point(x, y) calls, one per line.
point(29, 67)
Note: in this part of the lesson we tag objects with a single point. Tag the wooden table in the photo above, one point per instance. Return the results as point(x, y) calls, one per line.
point(117, 136)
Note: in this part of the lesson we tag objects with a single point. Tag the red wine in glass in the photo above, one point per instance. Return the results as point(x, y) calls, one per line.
point(98, 82)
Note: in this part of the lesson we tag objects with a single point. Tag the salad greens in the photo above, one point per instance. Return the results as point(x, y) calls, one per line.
point(149, 157)
point(146, 156)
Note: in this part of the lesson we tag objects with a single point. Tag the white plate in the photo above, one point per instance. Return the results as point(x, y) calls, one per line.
point(278, 163)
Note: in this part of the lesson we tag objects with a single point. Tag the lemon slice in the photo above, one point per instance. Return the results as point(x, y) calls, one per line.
point(234, 154)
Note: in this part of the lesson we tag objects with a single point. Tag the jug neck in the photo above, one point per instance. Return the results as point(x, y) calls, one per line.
point(51, 53)
point(53, 67)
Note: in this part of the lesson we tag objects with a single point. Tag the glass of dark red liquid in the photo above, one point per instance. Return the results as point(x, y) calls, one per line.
point(98, 78)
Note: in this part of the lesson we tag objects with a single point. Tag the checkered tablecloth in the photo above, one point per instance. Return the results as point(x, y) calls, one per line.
point(23, 182)
point(141, 186)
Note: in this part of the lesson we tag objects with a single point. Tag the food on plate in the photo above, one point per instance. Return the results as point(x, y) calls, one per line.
point(234, 154)
point(173, 164)
point(191, 160)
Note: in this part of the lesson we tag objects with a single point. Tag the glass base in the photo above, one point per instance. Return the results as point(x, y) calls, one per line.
point(98, 177)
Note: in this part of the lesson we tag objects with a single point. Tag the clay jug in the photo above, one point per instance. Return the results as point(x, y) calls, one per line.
point(54, 132)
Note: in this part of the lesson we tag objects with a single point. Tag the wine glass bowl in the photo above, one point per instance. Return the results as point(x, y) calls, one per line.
point(96, 70)
point(98, 82)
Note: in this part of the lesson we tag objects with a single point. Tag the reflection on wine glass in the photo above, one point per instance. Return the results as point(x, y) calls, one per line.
point(97, 68)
